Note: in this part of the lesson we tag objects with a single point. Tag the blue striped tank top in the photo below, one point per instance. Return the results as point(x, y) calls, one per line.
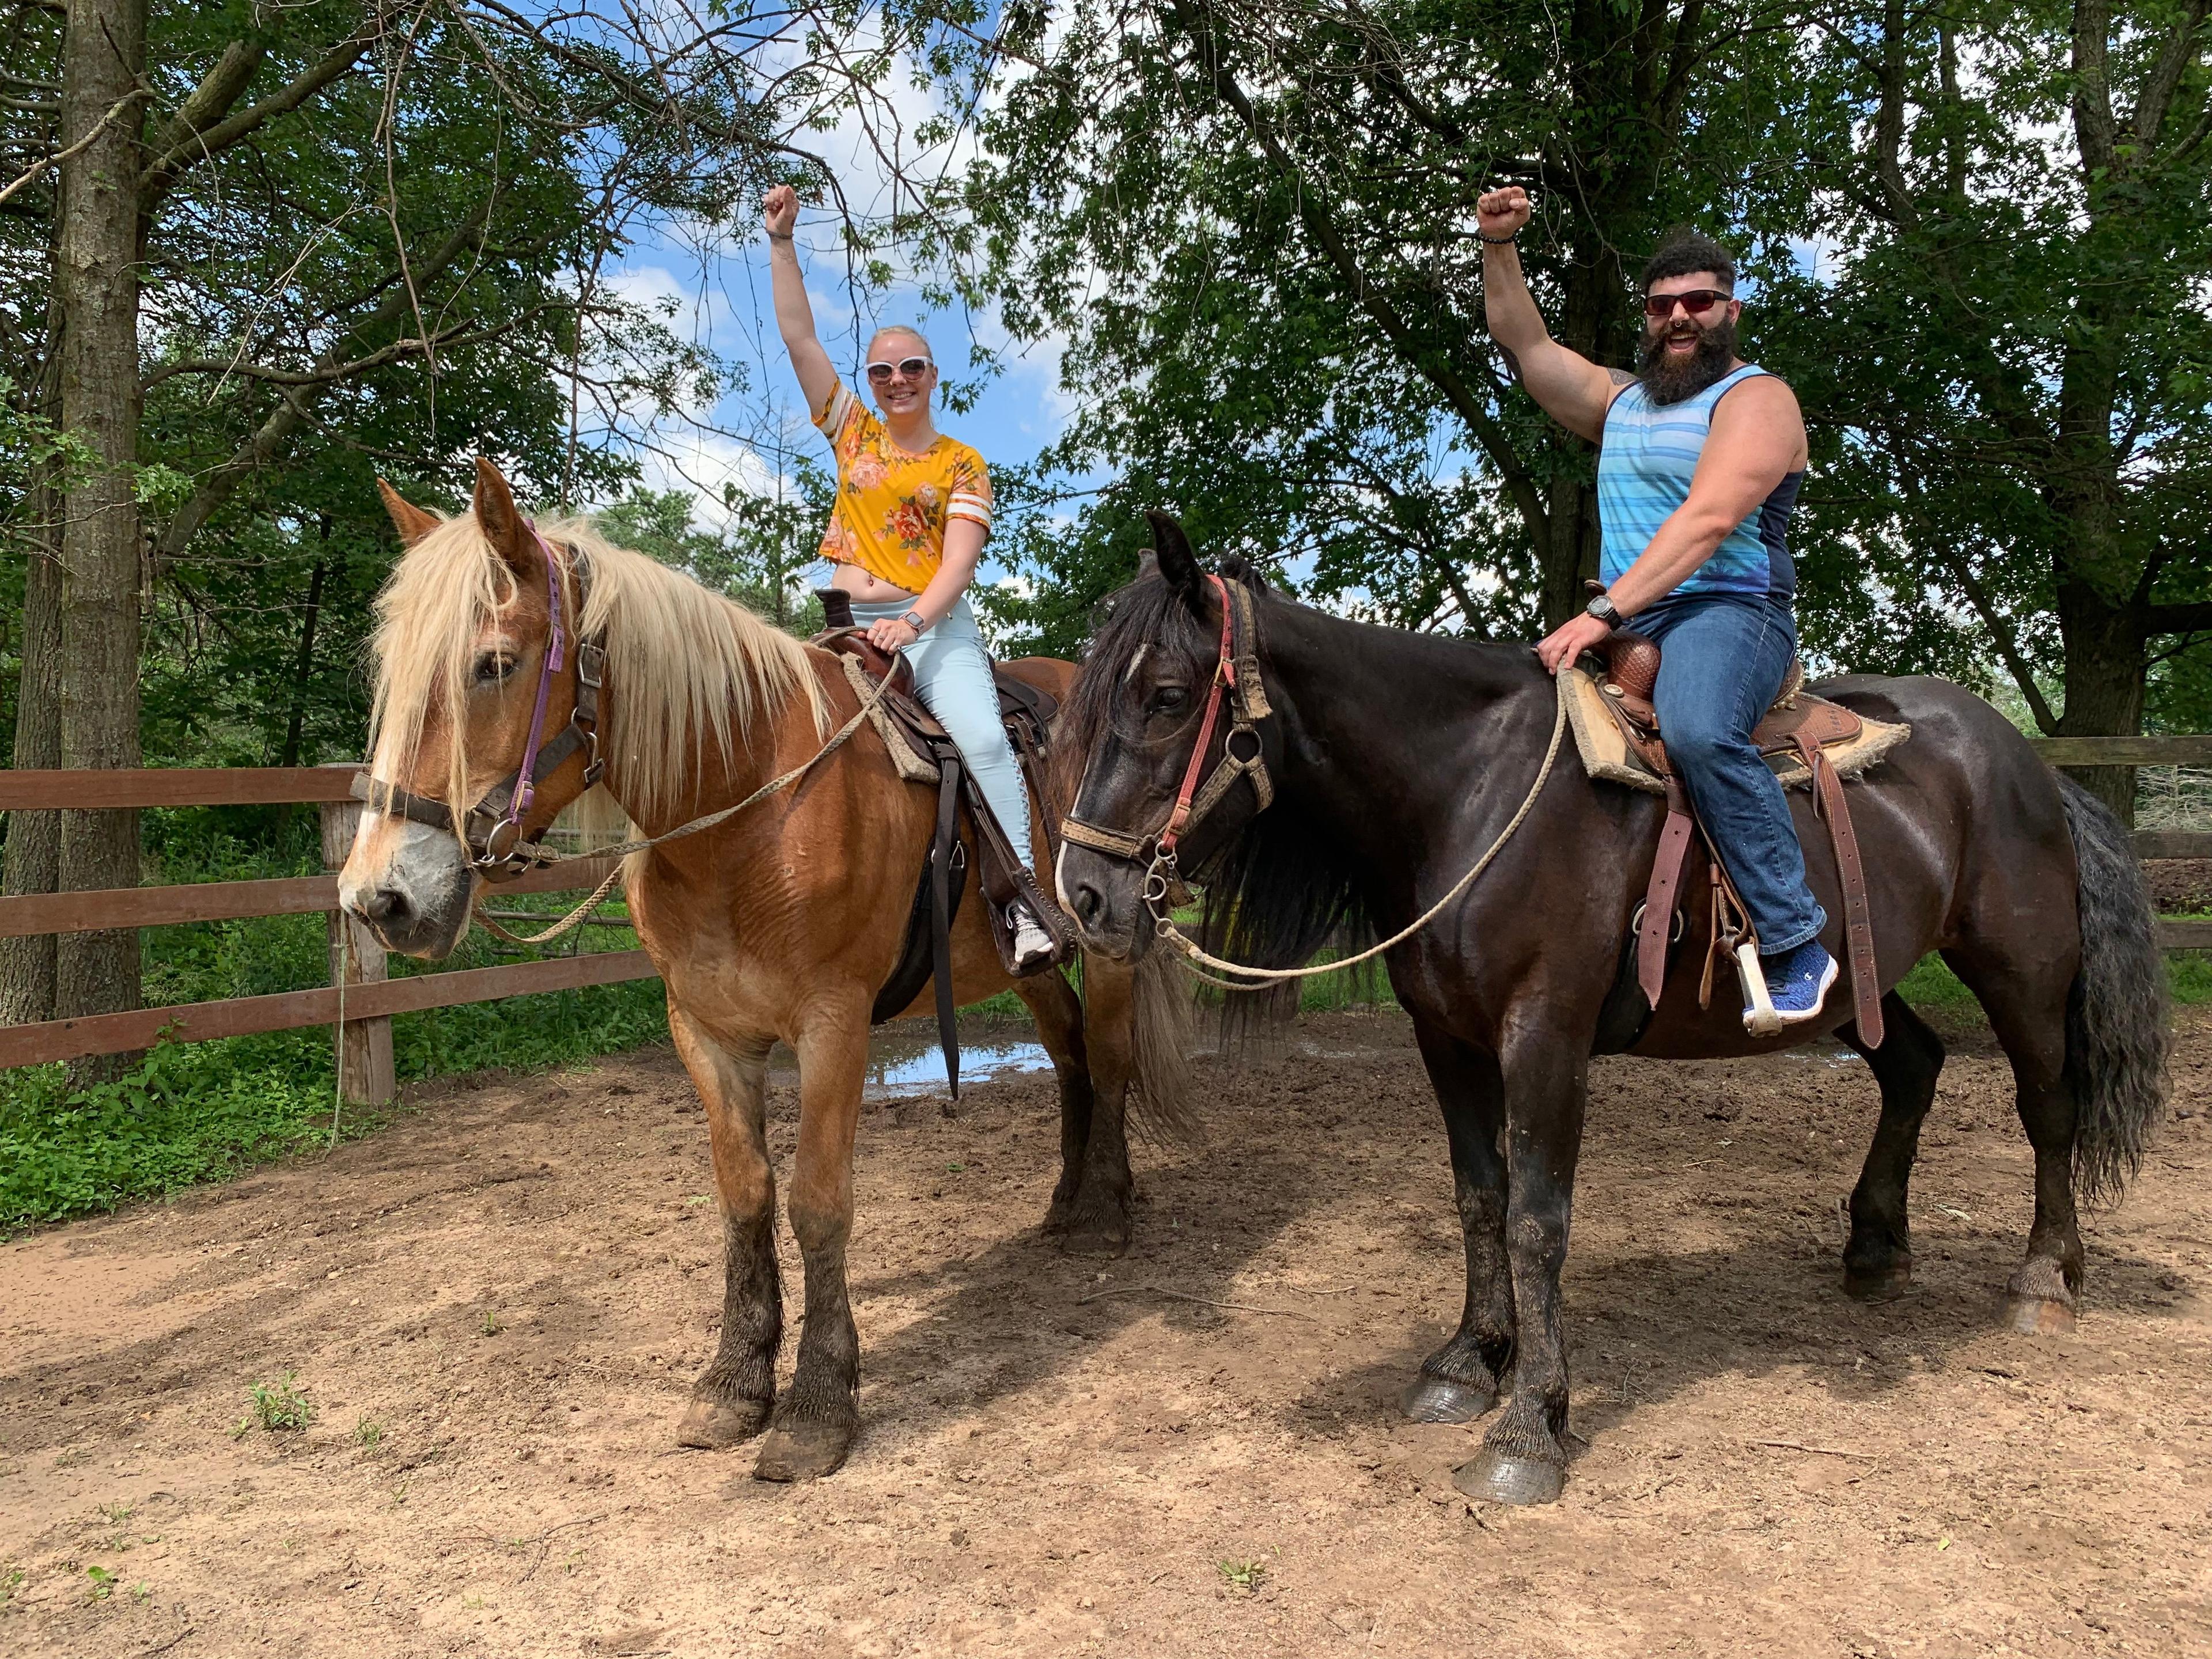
point(1644, 472)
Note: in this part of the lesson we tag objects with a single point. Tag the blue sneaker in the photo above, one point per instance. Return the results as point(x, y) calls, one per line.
point(1797, 982)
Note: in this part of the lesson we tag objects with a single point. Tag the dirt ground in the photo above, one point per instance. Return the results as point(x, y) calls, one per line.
point(1190, 1451)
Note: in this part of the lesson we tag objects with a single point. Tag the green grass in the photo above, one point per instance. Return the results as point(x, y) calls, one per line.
point(198, 1112)
point(1933, 985)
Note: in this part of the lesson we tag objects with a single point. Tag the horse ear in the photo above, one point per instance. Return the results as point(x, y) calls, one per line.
point(1148, 563)
point(412, 522)
point(501, 520)
point(1178, 563)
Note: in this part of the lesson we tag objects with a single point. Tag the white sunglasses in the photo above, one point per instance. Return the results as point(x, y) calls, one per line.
point(913, 368)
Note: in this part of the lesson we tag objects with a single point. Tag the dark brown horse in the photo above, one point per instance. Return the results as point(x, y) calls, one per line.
point(1396, 759)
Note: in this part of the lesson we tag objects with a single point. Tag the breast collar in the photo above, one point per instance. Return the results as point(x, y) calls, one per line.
point(491, 831)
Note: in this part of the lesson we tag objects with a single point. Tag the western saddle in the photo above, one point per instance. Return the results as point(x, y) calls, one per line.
point(1798, 730)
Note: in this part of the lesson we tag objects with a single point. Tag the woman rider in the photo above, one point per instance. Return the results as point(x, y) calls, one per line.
point(914, 508)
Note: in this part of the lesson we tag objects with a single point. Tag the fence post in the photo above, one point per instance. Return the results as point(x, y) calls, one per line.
point(365, 1071)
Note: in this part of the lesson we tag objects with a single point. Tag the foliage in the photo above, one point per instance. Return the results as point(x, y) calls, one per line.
point(2006, 347)
point(765, 541)
point(1252, 225)
point(278, 1406)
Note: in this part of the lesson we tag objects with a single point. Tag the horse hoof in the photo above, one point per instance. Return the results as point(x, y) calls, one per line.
point(2038, 1315)
point(803, 1451)
point(1493, 1476)
point(1881, 1285)
point(1096, 1235)
point(717, 1425)
point(1434, 1400)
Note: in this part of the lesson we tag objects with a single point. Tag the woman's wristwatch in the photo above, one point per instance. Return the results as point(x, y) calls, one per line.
point(914, 620)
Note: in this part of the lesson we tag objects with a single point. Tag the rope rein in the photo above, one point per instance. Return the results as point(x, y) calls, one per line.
point(575, 917)
point(1161, 880)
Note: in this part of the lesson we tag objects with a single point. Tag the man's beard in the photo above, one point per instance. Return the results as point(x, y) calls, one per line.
point(1670, 380)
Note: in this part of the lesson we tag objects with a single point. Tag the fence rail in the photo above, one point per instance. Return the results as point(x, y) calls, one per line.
point(360, 985)
point(358, 965)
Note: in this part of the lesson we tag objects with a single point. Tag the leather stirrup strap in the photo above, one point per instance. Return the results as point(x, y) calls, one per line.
point(1858, 919)
point(1658, 921)
point(942, 846)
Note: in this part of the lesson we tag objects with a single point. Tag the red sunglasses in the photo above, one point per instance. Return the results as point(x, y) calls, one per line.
point(1698, 301)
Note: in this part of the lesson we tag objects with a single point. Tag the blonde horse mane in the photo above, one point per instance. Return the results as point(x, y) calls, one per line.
point(688, 669)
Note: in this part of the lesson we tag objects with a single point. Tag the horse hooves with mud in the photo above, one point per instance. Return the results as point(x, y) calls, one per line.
point(783, 920)
point(1374, 768)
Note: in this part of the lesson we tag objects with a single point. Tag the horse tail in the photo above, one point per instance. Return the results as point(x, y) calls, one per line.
point(1161, 1002)
point(2116, 1015)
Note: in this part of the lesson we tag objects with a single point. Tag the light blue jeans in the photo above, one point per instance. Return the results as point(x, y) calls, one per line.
point(952, 675)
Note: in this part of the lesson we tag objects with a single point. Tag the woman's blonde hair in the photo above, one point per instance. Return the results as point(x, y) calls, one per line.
point(914, 334)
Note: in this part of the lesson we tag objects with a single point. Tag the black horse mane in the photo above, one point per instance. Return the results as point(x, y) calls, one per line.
point(1278, 892)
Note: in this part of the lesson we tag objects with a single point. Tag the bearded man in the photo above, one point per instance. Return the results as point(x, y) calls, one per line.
point(1699, 458)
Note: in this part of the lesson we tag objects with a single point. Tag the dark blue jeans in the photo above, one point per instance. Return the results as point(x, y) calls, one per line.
point(1722, 663)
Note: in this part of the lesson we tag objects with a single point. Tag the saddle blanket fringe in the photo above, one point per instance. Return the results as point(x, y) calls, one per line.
point(1606, 752)
point(913, 766)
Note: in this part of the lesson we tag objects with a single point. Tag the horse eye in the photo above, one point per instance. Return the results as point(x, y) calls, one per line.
point(1168, 699)
point(492, 667)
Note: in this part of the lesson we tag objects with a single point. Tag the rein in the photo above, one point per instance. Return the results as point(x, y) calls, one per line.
point(1237, 669)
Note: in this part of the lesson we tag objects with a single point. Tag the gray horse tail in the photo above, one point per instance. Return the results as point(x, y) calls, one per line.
point(2115, 1017)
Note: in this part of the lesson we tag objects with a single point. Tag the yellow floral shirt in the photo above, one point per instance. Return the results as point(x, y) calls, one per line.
point(892, 507)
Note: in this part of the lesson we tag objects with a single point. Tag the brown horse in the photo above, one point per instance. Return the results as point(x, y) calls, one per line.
point(784, 920)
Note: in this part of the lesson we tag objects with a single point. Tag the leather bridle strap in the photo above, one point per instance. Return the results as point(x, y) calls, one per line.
point(1236, 682)
point(491, 831)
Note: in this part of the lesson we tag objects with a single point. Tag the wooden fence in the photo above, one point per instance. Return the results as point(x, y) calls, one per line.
point(359, 985)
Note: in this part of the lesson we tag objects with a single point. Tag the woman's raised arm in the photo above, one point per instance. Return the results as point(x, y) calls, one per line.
point(794, 318)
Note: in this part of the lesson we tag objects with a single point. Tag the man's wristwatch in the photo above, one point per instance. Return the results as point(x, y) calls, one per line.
point(1601, 608)
point(914, 619)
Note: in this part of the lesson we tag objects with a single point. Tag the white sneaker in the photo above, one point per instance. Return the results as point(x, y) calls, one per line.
point(1033, 946)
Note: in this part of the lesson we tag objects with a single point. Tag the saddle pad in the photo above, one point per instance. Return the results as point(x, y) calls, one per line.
point(913, 765)
point(1606, 752)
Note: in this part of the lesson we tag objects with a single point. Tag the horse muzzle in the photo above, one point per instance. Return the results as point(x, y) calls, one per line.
point(411, 885)
point(1105, 897)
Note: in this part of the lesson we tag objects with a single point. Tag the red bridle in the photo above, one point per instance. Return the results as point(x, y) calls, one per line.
point(1237, 684)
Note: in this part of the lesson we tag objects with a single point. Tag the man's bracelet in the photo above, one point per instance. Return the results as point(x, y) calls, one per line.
point(1498, 241)
point(787, 235)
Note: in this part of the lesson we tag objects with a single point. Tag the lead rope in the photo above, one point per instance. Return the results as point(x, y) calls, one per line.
point(575, 917)
point(1159, 881)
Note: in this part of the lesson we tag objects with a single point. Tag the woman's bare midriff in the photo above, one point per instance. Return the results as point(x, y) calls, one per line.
point(851, 578)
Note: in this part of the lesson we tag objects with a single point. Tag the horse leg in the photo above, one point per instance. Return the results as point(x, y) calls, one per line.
point(1052, 1002)
point(1459, 1381)
point(1878, 1257)
point(818, 1416)
point(1098, 1215)
point(1546, 1077)
point(731, 1400)
point(2030, 1023)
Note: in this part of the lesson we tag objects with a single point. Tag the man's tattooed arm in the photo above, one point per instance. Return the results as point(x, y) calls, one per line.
point(1620, 377)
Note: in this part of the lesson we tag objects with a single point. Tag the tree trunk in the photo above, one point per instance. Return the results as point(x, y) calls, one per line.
point(96, 289)
point(2105, 677)
point(307, 661)
point(35, 839)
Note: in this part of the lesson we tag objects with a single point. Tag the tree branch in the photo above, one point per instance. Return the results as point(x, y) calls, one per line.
point(1321, 226)
point(2158, 87)
point(2177, 618)
point(293, 411)
point(200, 146)
point(2001, 636)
